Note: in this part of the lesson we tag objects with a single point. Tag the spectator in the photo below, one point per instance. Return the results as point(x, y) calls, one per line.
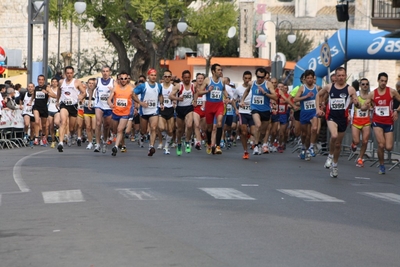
point(17, 88)
point(3, 91)
point(10, 100)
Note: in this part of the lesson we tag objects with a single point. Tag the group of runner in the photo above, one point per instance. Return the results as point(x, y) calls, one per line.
point(210, 108)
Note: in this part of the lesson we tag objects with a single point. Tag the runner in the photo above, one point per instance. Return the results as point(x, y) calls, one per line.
point(283, 110)
point(150, 98)
point(70, 92)
point(214, 108)
point(89, 112)
point(340, 96)
point(166, 121)
point(361, 123)
point(383, 117)
point(25, 101)
point(120, 100)
point(102, 110)
point(262, 92)
point(184, 95)
point(309, 122)
point(199, 121)
point(40, 111)
point(54, 114)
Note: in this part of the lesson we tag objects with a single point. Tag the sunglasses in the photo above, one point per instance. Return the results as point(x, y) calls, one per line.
point(260, 77)
point(167, 76)
point(123, 79)
point(365, 84)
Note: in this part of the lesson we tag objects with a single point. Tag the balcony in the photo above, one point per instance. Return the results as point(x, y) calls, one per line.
point(386, 14)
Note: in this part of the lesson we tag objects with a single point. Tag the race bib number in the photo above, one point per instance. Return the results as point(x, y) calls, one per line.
point(187, 96)
point(40, 95)
point(151, 103)
point(258, 100)
point(362, 114)
point(246, 107)
point(200, 102)
point(104, 97)
point(382, 111)
point(229, 108)
point(215, 94)
point(68, 102)
point(53, 101)
point(167, 101)
point(337, 103)
point(87, 103)
point(282, 108)
point(310, 104)
point(121, 102)
point(28, 109)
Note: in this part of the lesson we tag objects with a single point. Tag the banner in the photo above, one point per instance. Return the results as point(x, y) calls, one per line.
point(11, 119)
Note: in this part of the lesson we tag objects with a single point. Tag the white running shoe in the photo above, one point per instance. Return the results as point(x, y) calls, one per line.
point(89, 146)
point(334, 172)
point(104, 148)
point(160, 147)
point(328, 163)
point(255, 150)
point(166, 151)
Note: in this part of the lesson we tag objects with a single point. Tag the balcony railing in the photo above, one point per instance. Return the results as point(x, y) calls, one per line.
point(386, 14)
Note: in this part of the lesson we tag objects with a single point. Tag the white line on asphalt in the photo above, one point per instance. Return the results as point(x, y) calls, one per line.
point(66, 196)
point(389, 197)
point(226, 193)
point(17, 172)
point(363, 178)
point(249, 184)
point(310, 195)
point(0, 199)
point(137, 193)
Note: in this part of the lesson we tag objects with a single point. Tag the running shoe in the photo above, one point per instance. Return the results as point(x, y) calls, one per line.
point(96, 148)
point(255, 150)
point(218, 150)
point(159, 147)
point(246, 155)
point(36, 142)
point(198, 146)
point(123, 149)
point(166, 151)
point(382, 169)
point(179, 150)
point(311, 151)
point(152, 150)
point(209, 149)
point(53, 144)
point(173, 145)
point(141, 141)
point(132, 138)
point(79, 142)
point(110, 141)
point(89, 146)
point(26, 138)
point(60, 147)
point(222, 144)
point(280, 149)
point(69, 141)
point(308, 156)
point(265, 149)
point(213, 150)
point(104, 148)
point(44, 141)
point(31, 143)
point(353, 147)
point(188, 148)
point(360, 163)
point(303, 154)
point(328, 163)
point(114, 151)
point(334, 172)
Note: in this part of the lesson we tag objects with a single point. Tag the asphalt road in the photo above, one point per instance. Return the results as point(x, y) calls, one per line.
point(80, 208)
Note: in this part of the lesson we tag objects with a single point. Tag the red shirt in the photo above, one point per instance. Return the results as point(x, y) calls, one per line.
point(383, 109)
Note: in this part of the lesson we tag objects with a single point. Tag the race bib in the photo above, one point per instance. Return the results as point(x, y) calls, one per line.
point(337, 103)
point(199, 102)
point(40, 95)
point(362, 114)
point(229, 108)
point(258, 100)
point(246, 107)
point(121, 102)
point(68, 102)
point(151, 103)
point(104, 97)
point(382, 111)
point(53, 101)
point(167, 101)
point(28, 109)
point(310, 104)
point(87, 103)
point(282, 108)
point(187, 96)
point(215, 94)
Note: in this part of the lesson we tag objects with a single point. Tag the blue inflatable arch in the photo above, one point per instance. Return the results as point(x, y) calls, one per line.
point(362, 44)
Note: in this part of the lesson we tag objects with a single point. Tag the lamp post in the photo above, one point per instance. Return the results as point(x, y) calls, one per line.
point(181, 25)
point(80, 7)
point(263, 37)
point(38, 13)
point(59, 6)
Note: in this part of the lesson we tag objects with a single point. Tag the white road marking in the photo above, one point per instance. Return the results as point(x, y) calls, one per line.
point(363, 178)
point(66, 196)
point(249, 184)
point(0, 199)
point(137, 193)
point(17, 172)
point(310, 195)
point(389, 197)
point(226, 193)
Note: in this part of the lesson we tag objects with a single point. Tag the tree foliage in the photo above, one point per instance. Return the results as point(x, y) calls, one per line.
point(122, 23)
point(297, 50)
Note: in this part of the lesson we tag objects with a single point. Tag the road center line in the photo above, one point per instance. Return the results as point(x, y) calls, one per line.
point(17, 172)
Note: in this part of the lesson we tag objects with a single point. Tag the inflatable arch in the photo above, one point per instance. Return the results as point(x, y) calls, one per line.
point(362, 44)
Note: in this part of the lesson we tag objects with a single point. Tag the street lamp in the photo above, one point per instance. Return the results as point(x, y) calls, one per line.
point(181, 25)
point(80, 7)
point(263, 37)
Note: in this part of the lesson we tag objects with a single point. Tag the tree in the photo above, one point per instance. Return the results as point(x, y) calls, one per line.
point(122, 23)
point(301, 47)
